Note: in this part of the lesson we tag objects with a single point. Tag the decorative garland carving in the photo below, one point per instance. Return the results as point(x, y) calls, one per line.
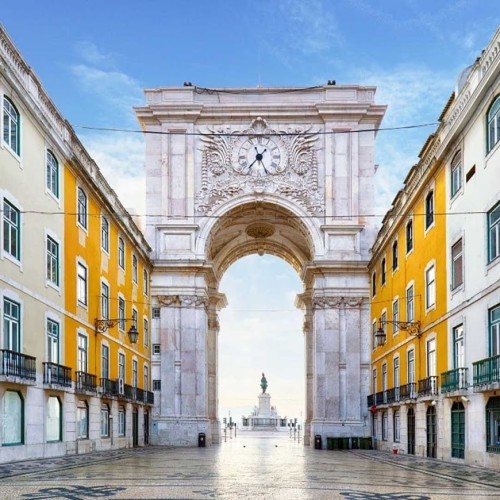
point(221, 179)
point(183, 300)
point(337, 302)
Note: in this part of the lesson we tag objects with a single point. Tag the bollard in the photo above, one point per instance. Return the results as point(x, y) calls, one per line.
point(201, 440)
point(317, 442)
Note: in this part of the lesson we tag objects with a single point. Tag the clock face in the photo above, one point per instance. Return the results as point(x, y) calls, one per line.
point(260, 156)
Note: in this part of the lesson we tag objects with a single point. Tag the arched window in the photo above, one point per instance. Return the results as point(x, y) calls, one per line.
point(54, 421)
point(457, 430)
point(456, 174)
point(493, 124)
point(396, 426)
point(121, 421)
point(11, 122)
point(104, 420)
point(82, 419)
point(52, 174)
point(493, 425)
point(82, 208)
point(13, 418)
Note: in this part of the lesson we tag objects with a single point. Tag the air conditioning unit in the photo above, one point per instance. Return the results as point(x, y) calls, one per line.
point(120, 386)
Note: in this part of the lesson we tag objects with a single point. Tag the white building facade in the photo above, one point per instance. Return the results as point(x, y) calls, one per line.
point(286, 171)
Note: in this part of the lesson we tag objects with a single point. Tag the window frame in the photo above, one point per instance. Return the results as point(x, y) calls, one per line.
point(410, 304)
point(396, 425)
point(493, 233)
point(457, 266)
point(135, 268)
point(105, 234)
point(430, 286)
point(11, 246)
point(82, 204)
point(409, 236)
point(105, 373)
point(122, 421)
point(12, 337)
point(82, 419)
point(82, 352)
point(122, 313)
point(50, 420)
point(458, 339)
point(8, 416)
point(395, 255)
point(52, 174)
point(429, 209)
point(395, 315)
point(53, 333)
point(145, 282)
point(456, 174)
point(105, 299)
point(493, 124)
point(121, 253)
point(104, 420)
point(383, 272)
point(494, 330)
point(82, 283)
point(53, 265)
point(9, 117)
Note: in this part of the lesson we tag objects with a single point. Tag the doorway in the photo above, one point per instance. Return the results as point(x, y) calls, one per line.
point(135, 427)
point(431, 432)
point(410, 416)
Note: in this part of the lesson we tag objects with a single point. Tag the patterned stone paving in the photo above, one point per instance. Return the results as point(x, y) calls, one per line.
point(246, 467)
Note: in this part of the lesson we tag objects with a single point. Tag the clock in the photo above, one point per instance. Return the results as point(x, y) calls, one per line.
point(260, 156)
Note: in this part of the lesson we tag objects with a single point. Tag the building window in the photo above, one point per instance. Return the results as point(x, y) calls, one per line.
point(374, 284)
point(374, 381)
point(52, 341)
point(121, 253)
point(409, 236)
point(429, 209)
point(395, 316)
point(134, 372)
point(157, 385)
point(135, 317)
point(457, 430)
point(494, 321)
point(382, 272)
point(121, 366)
point(493, 425)
point(145, 279)
point(395, 255)
point(145, 327)
point(52, 261)
point(105, 361)
point(121, 313)
point(456, 174)
point(11, 230)
point(13, 418)
point(121, 421)
point(396, 426)
point(430, 287)
point(54, 420)
point(384, 377)
point(409, 304)
point(82, 208)
point(493, 233)
point(82, 352)
point(383, 321)
point(411, 366)
point(156, 313)
point(52, 171)
point(135, 271)
point(82, 420)
point(493, 124)
point(384, 425)
point(82, 284)
point(104, 300)
point(431, 358)
point(395, 374)
point(105, 234)
point(374, 334)
point(457, 277)
point(458, 347)
point(11, 126)
point(156, 349)
point(146, 378)
point(11, 325)
point(104, 420)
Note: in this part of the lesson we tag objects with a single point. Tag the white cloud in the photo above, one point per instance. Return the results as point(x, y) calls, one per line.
point(91, 54)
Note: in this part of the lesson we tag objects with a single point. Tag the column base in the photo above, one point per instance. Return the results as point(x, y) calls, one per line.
point(180, 431)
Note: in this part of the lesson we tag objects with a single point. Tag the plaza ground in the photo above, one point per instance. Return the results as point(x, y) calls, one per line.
point(248, 466)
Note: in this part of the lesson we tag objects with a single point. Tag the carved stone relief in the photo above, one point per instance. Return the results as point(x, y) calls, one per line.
point(183, 300)
point(337, 302)
point(296, 177)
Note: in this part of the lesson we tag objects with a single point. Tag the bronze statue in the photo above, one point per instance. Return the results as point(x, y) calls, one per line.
point(263, 384)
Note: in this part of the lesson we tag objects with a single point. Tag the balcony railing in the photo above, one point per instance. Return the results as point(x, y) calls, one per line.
point(370, 400)
point(18, 365)
point(55, 374)
point(85, 382)
point(380, 398)
point(428, 386)
point(408, 391)
point(486, 371)
point(130, 392)
point(108, 387)
point(149, 397)
point(393, 395)
point(454, 380)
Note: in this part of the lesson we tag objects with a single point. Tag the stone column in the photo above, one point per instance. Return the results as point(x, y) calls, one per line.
point(184, 380)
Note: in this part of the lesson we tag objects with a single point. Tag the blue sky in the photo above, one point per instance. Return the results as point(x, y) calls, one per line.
point(95, 57)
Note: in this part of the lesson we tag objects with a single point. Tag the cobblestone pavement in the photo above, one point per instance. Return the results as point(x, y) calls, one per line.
point(274, 467)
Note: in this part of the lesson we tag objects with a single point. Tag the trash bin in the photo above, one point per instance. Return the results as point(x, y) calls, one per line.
point(317, 442)
point(329, 443)
point(345, 443)
point(337, 444)
point(201, 440)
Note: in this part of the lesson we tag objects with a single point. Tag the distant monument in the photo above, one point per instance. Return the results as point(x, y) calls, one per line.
point(265, 417)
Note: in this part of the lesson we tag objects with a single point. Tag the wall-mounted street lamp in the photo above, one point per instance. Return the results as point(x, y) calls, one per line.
point(101, 325)
point(412, 327)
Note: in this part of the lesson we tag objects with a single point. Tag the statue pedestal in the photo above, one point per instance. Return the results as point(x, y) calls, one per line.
point(264, 404)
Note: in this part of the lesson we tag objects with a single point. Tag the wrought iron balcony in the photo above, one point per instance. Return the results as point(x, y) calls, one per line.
point(486, 371)
point(454, 380)
point(55, 374)
point(108, 387)
point(130, 392)
point(408, 391)
point(139, 395)
point(381, 398)
point(393, 395)
point(428, 386)
point(85, 382)
point(16, 364)
point(370, 400)
point(149, 397)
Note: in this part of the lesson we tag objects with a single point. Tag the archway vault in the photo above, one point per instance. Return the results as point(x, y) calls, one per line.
point(259, 227)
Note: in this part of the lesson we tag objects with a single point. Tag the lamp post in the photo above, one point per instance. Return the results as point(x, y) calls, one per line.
point(412, 327)
point(101, 325)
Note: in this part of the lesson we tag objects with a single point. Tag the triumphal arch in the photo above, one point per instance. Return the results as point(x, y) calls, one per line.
point(284, 171)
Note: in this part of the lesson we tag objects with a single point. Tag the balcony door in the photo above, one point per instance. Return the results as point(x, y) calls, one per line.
point(431, 432)
point(410, 418)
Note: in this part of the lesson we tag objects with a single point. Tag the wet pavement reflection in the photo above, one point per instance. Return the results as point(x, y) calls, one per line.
point(249, 466)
